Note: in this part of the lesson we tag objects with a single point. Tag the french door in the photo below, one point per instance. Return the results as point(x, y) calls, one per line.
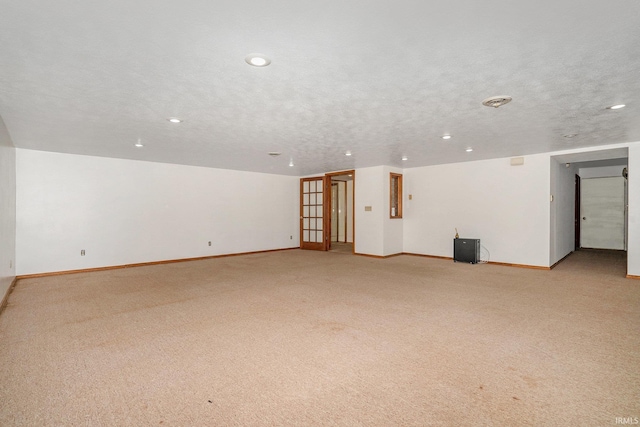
point(313, 202)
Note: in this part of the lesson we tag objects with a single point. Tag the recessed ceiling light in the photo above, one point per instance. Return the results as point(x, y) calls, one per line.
point(446, 137)
point(257, 60)
point(468, 150)
point(291, 163)
point(139, 143)
point(348, 153)
point(174, 120)
point(405, 158)
point(616, 107)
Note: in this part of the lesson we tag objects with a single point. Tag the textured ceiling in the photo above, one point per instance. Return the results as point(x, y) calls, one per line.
point(382, 79)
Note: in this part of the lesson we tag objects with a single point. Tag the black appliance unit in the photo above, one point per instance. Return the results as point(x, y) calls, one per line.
point(466, 250)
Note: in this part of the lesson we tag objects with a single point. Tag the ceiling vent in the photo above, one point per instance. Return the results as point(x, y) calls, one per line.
point(496, 101)
point(274, 153)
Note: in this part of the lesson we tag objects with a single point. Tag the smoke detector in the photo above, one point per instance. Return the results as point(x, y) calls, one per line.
point(496, 101)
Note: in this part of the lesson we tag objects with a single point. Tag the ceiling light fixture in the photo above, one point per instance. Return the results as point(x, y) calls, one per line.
point(616, 107)
point(446, 136)
point(139, 143)
point(405, 158)
point(291, 163)
point(348, 153)
point(468, 150)
point(497, 101)
point(174, 120)
point(257, 60)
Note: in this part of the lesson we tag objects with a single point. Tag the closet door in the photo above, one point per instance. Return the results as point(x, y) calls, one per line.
point(602, 209)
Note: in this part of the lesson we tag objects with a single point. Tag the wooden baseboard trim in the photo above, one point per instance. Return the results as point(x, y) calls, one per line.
point(506, 264)
point(629, 276)
point(5, 299)
point(144, 264)
point(429, 256)
point(533, 267)
point(377, 256)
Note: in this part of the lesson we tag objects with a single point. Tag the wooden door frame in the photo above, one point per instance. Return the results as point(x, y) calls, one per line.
point(328, 177)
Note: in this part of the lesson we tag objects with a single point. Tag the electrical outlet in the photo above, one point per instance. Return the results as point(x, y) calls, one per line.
point(82, 252)
point(209, 242)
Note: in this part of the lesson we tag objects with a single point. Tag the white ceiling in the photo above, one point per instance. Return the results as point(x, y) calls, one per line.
point(383, 79)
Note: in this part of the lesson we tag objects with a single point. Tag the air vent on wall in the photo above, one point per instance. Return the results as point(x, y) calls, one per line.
point(496, 101)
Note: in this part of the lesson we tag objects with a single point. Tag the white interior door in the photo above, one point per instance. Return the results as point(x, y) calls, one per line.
point(602, 213)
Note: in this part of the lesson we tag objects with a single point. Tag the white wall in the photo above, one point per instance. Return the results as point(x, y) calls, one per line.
point(123, 211)
point(369, 227)
point(7, 210)
point(505, 206)
point(562, 211)
point(633, 249)
point(376, 233)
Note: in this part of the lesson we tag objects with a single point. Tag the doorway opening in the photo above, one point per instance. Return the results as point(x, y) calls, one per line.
point(589, 213)
point(341, 213)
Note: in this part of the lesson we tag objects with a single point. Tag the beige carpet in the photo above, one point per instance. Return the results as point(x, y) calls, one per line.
point(342, 247)
point(298, 338)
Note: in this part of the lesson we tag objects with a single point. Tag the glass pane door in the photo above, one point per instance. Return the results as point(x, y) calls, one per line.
point(312, 213)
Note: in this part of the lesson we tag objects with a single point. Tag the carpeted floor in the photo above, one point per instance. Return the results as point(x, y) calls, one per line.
point(341, 247)
point(298, 338)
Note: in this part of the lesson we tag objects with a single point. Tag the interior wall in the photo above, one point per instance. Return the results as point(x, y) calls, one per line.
point(633, 213)
point(369, 230)
point(562, 210)
point(124, 212)
point(505, 206)
point(7, 210)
